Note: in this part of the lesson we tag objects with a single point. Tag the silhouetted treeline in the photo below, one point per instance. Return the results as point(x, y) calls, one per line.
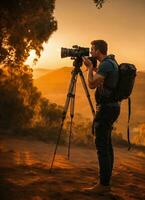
point(21, 104)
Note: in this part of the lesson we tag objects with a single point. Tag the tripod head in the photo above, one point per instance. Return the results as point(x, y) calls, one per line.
point(78, 61)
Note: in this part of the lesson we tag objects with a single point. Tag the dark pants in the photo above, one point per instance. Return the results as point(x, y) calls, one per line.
point(103, 125)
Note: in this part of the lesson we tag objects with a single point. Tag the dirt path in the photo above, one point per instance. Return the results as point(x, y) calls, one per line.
point(24, 172)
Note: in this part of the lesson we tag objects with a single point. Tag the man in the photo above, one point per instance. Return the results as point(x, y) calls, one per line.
point(105, 81)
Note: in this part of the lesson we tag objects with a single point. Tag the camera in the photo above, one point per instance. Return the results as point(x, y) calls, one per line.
point(76, 51)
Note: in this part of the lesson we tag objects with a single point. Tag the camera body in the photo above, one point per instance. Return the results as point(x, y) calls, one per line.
point(75, 52)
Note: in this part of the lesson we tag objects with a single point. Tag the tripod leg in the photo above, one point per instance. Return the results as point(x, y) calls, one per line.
point(58, 139)
point(72, 104)
point(69, 95)
point(87, 92)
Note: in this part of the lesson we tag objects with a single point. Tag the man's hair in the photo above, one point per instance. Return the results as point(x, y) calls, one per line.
point(101, 45)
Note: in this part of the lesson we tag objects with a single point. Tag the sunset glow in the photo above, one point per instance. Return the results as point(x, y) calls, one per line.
point(120, 23)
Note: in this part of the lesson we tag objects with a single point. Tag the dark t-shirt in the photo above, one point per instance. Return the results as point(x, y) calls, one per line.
point(109, 69)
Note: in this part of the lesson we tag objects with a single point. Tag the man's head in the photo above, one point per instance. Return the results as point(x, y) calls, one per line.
point(99, 48)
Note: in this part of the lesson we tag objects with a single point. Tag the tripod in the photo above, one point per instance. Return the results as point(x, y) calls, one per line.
point(71, 100)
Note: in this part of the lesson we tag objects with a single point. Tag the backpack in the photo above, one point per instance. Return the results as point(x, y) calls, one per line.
point(127, 74)
point(123, 90)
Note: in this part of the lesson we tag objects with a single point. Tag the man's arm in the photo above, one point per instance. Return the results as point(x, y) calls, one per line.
point(94, 80)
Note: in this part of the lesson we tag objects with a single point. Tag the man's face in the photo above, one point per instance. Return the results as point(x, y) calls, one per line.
point(94, 52)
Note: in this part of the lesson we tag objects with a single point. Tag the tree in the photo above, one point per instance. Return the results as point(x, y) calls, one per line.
point(51, 113)
point(18, 97)
point(24, 25)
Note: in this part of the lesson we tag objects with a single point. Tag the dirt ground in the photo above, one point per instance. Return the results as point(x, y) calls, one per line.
point(25, 174)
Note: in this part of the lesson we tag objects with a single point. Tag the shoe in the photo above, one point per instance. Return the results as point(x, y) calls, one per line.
point(98, 189)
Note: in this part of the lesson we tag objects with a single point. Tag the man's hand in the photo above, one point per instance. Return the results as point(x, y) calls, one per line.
point(94, 79)
point(90, 63)
point(87, 63)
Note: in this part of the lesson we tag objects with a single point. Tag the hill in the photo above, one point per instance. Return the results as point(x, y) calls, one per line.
point(56, 79)
point(54, 86)
point(38, 72)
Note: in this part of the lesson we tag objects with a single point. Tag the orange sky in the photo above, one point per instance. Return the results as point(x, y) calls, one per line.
point(120, 22)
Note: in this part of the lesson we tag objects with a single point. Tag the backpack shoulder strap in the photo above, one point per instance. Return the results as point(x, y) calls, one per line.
point(111, 60)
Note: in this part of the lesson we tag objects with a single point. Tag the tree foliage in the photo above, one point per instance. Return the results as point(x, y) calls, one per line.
point(17, 106)
point(99, 3)
point(21, 104)
point(50, 112)
point(24, 25)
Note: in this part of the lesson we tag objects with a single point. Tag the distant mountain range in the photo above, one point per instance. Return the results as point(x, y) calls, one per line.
point(54, 85)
